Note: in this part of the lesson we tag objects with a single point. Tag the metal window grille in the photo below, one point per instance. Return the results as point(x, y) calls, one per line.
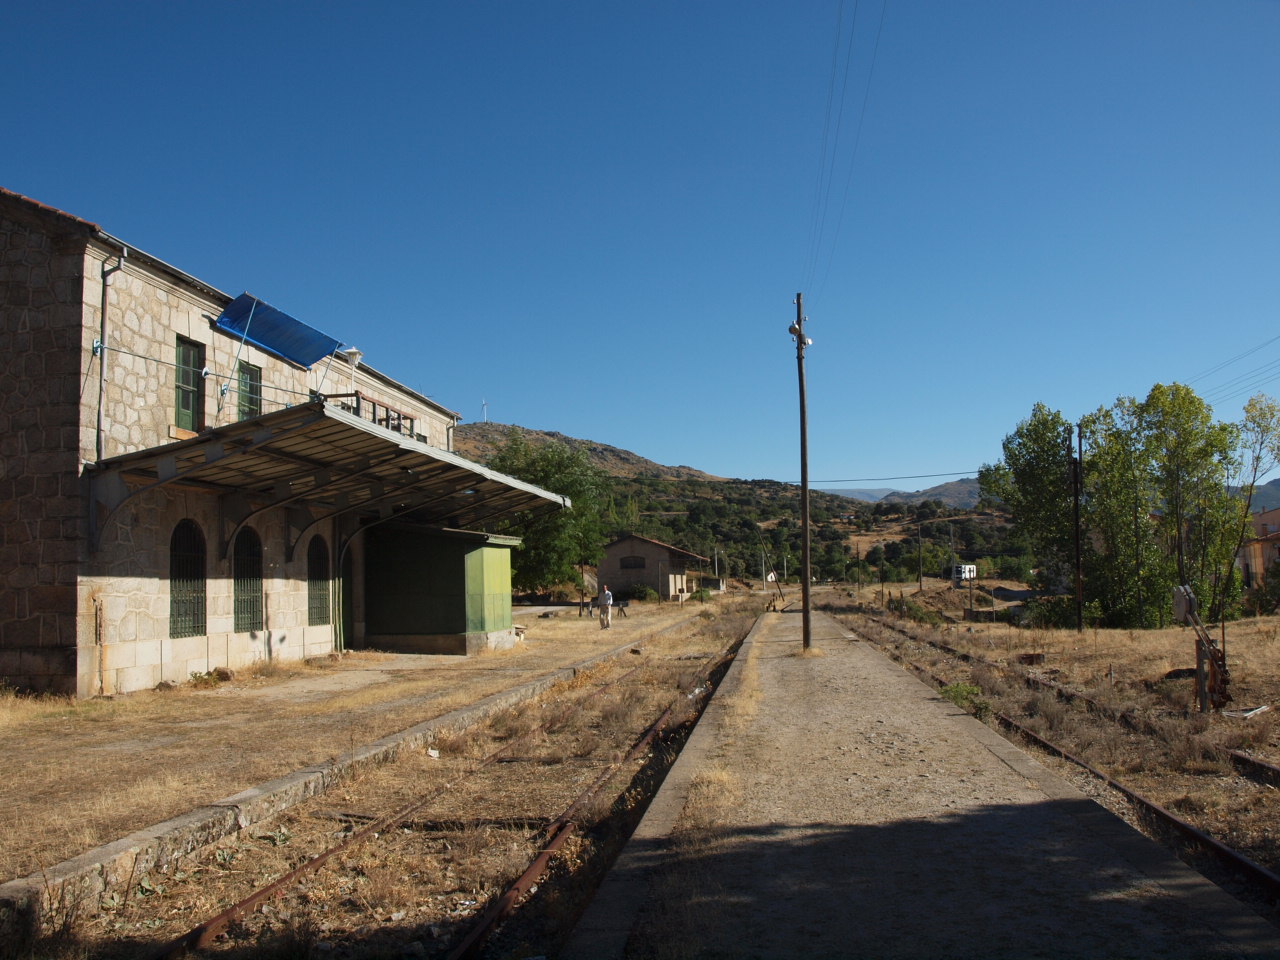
point(189, 385)
point(246, 570)
point(249, 402)
point(186, 581)
point(317, 582)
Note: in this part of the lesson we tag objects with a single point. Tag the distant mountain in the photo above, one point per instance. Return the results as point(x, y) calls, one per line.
point(867, 494)
point(1266, 496)
point(479, 441)
point(957, 493)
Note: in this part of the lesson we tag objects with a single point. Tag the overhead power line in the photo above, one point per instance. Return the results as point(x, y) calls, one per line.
point(914, 476)
point(1226, 363)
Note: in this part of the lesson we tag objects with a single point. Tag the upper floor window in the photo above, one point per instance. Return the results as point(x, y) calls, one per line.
point(186, 580)
point(631, 563)
point(249, 383)
point(246, 571)
point(189, 393)
point(317, 582)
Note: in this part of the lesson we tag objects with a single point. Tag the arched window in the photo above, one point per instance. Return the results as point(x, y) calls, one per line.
point(186, 580)
point(246, 570)
point(317, 582)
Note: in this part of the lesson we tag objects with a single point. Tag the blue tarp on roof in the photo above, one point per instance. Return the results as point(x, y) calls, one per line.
point(264, 326)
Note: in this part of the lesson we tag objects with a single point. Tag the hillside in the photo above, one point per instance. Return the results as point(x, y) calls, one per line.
point(743, 524)
point(957, 493)
point(479, 441)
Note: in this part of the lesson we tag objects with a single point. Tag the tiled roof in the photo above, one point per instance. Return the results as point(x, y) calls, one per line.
point(657, 543)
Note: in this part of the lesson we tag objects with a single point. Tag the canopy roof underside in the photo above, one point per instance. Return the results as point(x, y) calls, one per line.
point(320, 462)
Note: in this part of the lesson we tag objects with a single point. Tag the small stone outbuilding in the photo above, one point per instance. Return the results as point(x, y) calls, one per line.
point(633, 560)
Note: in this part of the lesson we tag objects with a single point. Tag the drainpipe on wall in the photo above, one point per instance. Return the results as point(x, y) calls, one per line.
point(101, 346)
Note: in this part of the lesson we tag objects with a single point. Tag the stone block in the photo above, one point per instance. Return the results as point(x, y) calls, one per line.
point(117, 656)
point(147, 652)
point(22, 633)
point(129, 679)
point(185, 648)
point(49, 662)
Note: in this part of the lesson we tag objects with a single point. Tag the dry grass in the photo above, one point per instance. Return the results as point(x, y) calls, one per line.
point(674, 926)
point(82, 773)
point(440, 866)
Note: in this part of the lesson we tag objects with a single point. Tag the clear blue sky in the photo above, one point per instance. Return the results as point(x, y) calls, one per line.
point(596, 215)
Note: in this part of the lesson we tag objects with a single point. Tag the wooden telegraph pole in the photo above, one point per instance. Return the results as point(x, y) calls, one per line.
point(1077, 489)
point(797, 331)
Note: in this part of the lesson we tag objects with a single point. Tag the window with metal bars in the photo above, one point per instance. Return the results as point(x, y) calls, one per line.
point(317, 582)
point(189, 385)
point(186, 580)
point(249, 402)
point(246, 571)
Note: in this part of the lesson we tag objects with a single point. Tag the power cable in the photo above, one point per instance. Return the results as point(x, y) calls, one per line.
point(1227, 363)
point(812, 253)
point(914, 476)
point(853, 158)
point(824, 199)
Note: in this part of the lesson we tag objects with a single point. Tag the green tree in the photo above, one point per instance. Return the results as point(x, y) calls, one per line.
point(1192, 457)
point(1259, 453)
point(1128, 575)
point(555, 544)
point(1034, 483)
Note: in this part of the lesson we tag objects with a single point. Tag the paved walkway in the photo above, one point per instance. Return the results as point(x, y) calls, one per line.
point(834, 806)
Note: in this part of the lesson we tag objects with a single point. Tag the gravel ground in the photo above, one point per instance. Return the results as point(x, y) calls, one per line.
point(863, 816)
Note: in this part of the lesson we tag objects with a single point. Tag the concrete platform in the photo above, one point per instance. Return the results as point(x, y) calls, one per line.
point(871, 818)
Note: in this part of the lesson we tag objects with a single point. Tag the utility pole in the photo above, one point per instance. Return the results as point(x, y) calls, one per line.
point(797, 332)
point(920, 554)
point(1077, 477)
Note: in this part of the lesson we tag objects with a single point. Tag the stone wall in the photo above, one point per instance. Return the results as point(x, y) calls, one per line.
point(125, 599)
point(84, 618)
point(147, 311)
point(41, 515)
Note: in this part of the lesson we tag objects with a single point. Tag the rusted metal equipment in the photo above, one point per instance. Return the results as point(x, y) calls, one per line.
point(1212, 675)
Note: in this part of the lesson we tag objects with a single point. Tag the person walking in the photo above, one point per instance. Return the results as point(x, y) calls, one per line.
point(605, 602)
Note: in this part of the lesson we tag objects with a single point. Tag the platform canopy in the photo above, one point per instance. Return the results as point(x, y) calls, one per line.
point(248, 318)
point(320, 462)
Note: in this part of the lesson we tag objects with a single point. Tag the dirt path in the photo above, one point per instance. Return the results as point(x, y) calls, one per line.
point(79, 774)
point(832, 806)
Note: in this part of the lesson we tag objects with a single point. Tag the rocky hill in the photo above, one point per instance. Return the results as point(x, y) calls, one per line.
point(478, 441)
point(958, 493)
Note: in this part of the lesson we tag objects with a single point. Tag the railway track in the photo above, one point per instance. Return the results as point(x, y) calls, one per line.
point(430, 853)
point(1196, 842)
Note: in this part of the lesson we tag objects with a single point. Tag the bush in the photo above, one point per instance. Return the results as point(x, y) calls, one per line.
point(703, 595)
point(967, 697)
point(641, 592)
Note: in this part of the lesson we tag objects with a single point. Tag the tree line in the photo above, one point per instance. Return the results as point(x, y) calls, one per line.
point(1165, 498)
point(736, 524)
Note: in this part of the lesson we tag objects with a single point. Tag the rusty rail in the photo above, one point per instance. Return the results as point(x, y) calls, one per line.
point(1250, 766)
point(564, 826)
point(1254, 872)
point(204, 933)
point(1250, 870)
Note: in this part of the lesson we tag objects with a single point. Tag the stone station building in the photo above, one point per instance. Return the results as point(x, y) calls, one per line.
point(190, 480)
point(633, 561)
